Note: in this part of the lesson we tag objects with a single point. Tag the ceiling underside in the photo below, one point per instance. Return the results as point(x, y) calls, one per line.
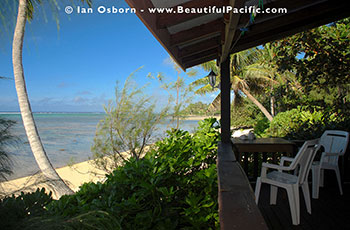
point(192, 39)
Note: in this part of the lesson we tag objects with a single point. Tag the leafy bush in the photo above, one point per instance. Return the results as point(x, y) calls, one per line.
point(245, 116)
point(261, 125)
point(6, 139)
point(198, 108)
point(173, 187)
point(14, 209)
point(129, 125)
point(302, 124)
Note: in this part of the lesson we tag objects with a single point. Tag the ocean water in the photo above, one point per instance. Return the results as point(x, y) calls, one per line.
point(67, 138)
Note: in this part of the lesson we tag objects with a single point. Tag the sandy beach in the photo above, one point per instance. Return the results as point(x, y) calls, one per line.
point(74, 175)
point(198, 118)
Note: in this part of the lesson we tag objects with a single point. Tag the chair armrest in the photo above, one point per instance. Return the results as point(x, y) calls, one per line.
point(283, 159)
point(265, 166)
point(332, 154)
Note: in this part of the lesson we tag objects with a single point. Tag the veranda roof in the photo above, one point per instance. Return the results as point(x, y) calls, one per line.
point(195, 38)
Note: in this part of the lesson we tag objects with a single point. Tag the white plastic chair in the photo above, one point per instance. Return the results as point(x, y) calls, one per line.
point(335, 143)
point(300, 166)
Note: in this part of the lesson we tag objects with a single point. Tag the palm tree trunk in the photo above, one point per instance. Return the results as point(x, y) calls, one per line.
point(272, 104)
point(215, 105)
point(257, 103)
point(26, 112)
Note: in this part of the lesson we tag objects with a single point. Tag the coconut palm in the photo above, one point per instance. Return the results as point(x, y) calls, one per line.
point(25, 12)
point(241, 83)
point(267, 68)
point(25, 8)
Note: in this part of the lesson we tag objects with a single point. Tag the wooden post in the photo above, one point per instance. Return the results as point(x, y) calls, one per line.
point(225, 87)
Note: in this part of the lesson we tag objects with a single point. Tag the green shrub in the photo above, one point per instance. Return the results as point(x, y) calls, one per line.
point(13, 210)
point(245, 116)
point(173, 187)
point(261, 125)
point(6, 139)
point(302, 124)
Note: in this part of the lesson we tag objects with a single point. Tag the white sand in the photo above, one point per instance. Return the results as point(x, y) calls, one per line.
point(194, 117)
point(74, 176)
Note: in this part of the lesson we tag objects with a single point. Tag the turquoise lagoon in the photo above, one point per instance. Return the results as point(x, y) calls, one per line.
point(67, 138)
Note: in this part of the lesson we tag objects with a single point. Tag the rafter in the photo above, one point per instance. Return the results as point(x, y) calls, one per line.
point(293, 5)
point(200, 61)
point(200, 55)
point(199, 47)
point(196, 33)
point(150, 21)
point(230, 29)
point(290, 24)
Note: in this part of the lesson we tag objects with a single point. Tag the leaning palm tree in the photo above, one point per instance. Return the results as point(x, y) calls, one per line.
point(240, 82)
point(267, 68)
point(25, 11)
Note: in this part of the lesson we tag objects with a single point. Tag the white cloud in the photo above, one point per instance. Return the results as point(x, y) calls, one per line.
point(85, 92)
point(62, 85)
point(168, 61)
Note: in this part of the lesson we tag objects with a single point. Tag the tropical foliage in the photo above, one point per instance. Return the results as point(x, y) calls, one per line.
point(128, 126)
point(173, 187)
point(304, 75)
point(243, 83)
point(25, 12)
point(6, 139)
point(198, 108)
point(320, 58)
point(177, 88)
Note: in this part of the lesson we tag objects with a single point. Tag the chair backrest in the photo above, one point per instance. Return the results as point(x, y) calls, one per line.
point(334, 141)
point(303, 160)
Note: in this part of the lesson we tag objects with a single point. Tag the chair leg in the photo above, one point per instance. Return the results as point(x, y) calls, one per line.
point(273, 194)
point(339, 180)
point(321, 182)
point(315, 181)
point(292, 205)
point(257, 189)
point(306, 193)
point(297, 202)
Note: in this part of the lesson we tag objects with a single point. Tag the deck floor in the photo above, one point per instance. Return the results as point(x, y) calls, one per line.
point(330, 211)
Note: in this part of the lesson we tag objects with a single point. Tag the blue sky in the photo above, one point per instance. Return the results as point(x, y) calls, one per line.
point(76, 67)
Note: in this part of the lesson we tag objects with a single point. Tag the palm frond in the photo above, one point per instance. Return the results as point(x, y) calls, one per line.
point(204, 90)
point(239, 100)
point(215, 105)
point(200, 82)
point(210, 65)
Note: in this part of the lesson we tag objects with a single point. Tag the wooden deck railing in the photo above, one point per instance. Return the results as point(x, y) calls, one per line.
point(237, 208)
point(251, 162)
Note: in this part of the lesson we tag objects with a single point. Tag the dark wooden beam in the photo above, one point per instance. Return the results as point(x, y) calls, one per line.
point(225, 86)
point(169, 19)
point(199, 47)
point(200, 61)
point(290, 5)
point(149, 20)
point(196, 33)
point(292, 23)
point(200, 55)
point(237, 208)
point(230, 29)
